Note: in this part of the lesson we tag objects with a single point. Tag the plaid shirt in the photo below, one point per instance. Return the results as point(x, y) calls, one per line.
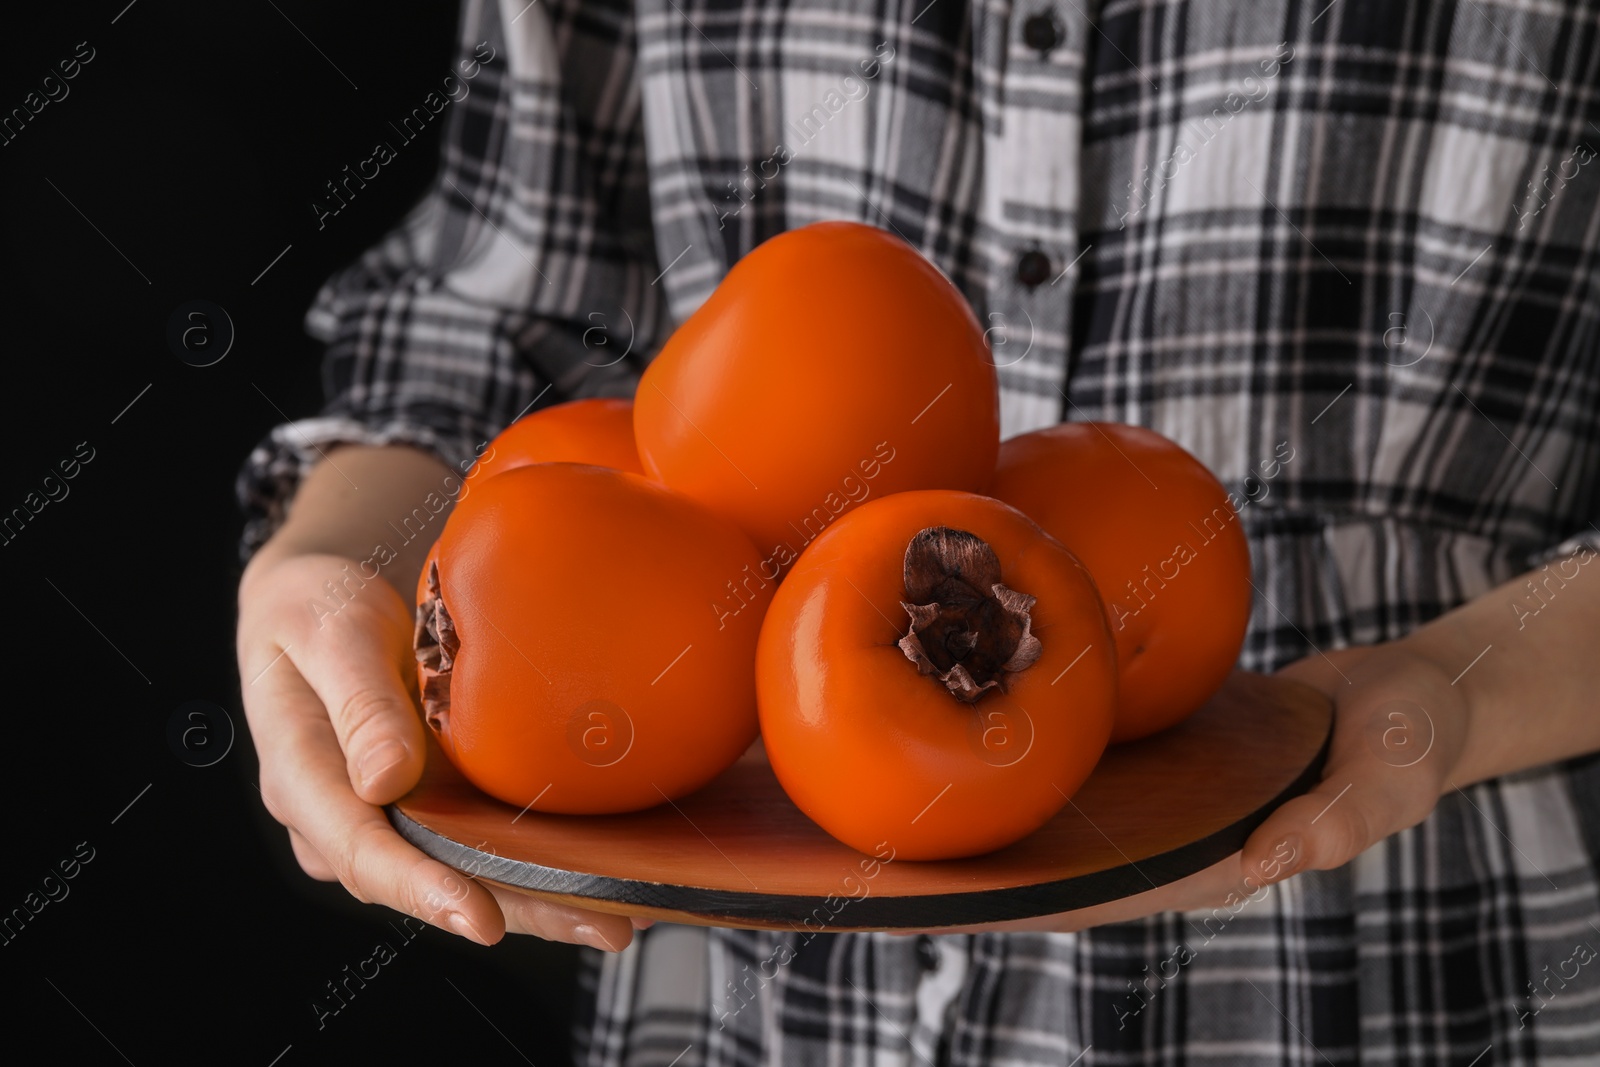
point(1344, 252)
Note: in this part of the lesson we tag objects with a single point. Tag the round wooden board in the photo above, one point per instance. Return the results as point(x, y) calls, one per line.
point(739, 853)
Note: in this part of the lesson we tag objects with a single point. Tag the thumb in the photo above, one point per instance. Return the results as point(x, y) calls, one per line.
point(1383, 773)
point(1361, 800)
point(355, 664)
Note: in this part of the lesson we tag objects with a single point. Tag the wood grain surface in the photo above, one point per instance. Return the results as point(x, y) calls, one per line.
point(739, 853)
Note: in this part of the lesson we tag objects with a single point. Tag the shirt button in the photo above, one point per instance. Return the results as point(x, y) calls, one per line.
point(1033, 267)
point(927, 953)
point(1041, 32)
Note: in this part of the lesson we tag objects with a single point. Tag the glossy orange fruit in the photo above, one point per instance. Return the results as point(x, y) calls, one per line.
point(597, 430)
point(874, 744)
point(577, 645)
point(1163, 540)
point(834, 364)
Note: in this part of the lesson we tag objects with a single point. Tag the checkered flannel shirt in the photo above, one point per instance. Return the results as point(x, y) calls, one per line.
point(1362, 236)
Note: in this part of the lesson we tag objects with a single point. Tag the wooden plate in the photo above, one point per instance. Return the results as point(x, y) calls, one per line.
point(739, 853)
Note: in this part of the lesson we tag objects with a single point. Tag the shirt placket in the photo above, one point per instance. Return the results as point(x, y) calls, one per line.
point(1029, 57)
point(942, 970)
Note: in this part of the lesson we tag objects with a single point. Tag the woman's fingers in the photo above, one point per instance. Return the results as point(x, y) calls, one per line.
point(353, 659)
point(305, 786)
point(341, 838)
point(324, 652)
point(526, 914)
point(310, 859)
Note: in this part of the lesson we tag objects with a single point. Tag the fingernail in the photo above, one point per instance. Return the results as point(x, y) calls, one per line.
point(591, 936)
point(463, 926)
point(379, 759)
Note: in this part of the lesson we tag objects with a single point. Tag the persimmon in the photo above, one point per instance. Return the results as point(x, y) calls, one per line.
point(935, 672)
point(572, 654)
point(832, 364)
point(597, 430)
point(1162, 538)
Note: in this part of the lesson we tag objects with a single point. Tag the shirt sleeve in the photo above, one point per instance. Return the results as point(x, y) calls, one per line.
point(522, 278)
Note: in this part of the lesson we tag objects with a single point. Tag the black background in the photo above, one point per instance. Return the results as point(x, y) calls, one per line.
point(184, 158)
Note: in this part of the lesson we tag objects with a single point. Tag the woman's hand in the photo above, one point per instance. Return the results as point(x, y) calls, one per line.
point(325, 665)
point(1399, 728)
point(338, 736)
point(1500, 684)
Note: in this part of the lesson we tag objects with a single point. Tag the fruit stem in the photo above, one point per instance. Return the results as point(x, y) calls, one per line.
point(967, 628)
point(436, 644)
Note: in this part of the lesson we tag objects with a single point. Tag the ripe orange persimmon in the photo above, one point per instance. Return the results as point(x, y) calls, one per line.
point(936, 673)
point(597, 430)
point(833, 364)
point(1162, 538)
point(569, 661)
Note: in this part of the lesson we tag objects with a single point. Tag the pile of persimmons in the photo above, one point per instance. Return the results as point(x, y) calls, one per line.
point(805, 525)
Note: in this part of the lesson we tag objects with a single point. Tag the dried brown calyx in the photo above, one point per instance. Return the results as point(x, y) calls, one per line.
point(436, 644)
point(967, 628)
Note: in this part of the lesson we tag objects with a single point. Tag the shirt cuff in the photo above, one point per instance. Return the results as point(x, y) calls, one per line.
point(1585, 542)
